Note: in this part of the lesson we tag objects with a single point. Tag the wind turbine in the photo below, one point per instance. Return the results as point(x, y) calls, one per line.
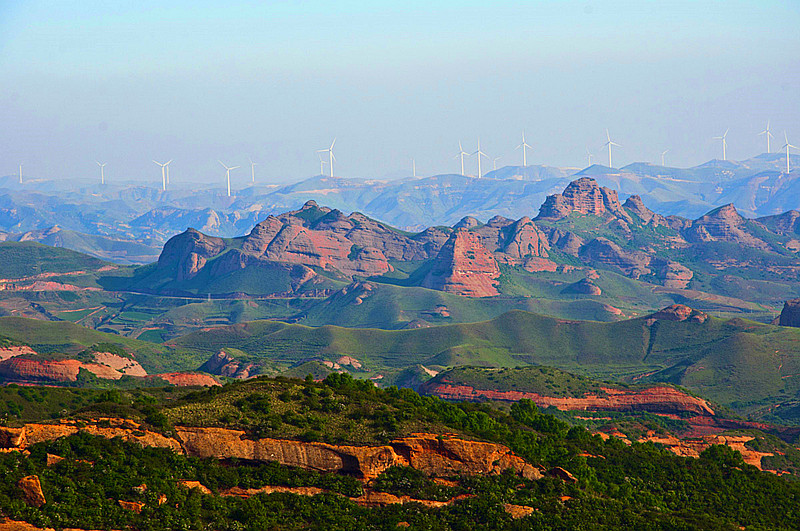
point(768, 134)
point(228, 175)
point(724, 144)
point(168, 163)
point(322, 164)
point(253, 169)
point(787, 145)
point(414, 168)
point(589, 156)
point(662, 156)
point(524, 147)
point(461, 154)
point(329, 151)
point(494, 162)
point(20, 174)
point(102, 173)
point(163, 174)
point(609, 144)
point(480, 153)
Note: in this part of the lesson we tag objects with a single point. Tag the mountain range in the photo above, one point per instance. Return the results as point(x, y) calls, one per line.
point(756, 187)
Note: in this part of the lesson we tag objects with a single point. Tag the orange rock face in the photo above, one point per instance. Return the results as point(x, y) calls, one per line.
point(184, 379)
point(694, 447)
point(465, 267)
point(11, 352)
point(657, 399)
point(27, 369)
point(32, 491)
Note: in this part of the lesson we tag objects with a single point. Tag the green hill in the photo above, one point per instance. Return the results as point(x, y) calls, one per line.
point(24, 259)
point(735, 362)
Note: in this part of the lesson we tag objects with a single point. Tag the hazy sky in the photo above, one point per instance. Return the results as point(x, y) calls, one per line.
point(127, 82)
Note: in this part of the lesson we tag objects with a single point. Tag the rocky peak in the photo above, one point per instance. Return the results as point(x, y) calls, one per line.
point(188, 252)
point(467, 222)
point(464, 266)
point(635, 205)
point(583, 196)
point(723, 224)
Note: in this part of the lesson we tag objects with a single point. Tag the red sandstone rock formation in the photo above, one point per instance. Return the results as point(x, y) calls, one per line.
point(185, 379)
point(656, 399)
point(465, 267)
point(23, 369)
point(583, 196)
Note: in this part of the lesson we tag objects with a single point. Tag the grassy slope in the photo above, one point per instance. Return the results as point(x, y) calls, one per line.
point(731, 361)
point(23, 259)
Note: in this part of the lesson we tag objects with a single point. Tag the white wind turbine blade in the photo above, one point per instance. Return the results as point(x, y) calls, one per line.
point(332, 143)
point(234, 167)
point(223, 165)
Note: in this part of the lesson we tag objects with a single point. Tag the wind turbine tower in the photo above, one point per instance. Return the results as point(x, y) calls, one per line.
point(322, 164)
point(480, 154)
point(102, 172)
point(461, 154)
point(787, 145)
point(662, 156)
point(20, 174)
point(609, 144)
point(724, 139)
point(767, 134)
point(253, 170)
point(163, 174)
point(414, 168)
point(329, 151)
point(589, 156)
point(524, 146)
point(228, 175)
point(494, 162)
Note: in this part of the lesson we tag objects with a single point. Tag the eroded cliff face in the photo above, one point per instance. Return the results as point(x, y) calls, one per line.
point(464, 266)
point(432, 454)
point(655, 399)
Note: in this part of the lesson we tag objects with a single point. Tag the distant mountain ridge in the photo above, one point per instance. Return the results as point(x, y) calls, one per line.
point(757, 187)
point(583, 228)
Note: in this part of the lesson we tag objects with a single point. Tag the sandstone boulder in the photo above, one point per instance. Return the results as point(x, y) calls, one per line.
point(32, 491)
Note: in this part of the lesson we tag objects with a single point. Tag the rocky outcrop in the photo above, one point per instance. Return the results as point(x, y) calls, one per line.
point(32, 491)
point(223, 364)
point(660, 399)
point(432, 454)
point(603, 251)
point(582, 287)
point(187, 379)
point(694, 447)
point(15, 350)
point(679, 312)
point(425, 452)
point(583, 196)
point(464, 266)
point(25, 369)
point(124, 365)
point(512, 242)
point(790, 315)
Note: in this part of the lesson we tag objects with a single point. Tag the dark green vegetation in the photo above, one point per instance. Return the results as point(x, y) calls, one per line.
point(642, 486)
